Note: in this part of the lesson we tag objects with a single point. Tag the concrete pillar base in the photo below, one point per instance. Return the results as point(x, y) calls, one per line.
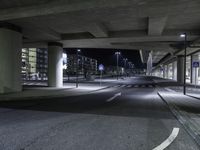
point(10, 58)
point(180, 69)
point(195, 71)
point(55, 64)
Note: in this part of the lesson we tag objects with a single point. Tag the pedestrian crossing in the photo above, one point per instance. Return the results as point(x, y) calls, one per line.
point(134, 86)
point(34, 83)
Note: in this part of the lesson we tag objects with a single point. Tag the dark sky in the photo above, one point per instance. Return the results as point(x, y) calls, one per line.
point(107, 57)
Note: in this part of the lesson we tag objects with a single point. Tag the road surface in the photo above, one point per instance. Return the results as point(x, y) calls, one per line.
point(127, 116)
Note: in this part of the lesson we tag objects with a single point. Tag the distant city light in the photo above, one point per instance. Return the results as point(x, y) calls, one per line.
point(65, 66)
point(125, 59)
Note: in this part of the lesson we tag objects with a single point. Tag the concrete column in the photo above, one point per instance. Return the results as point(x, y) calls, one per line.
point(180, 69)
point(55, 64)
point(194, 72)
point(10, 58)
point(168, 71)
point(174, 70)
point(165, 72)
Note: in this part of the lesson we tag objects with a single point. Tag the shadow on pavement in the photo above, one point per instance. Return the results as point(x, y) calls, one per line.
point(132, 104)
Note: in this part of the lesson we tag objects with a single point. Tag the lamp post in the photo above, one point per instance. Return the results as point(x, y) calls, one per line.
point(125, 59)
point(129, 65)
point(65, 64)
point(184, 35)
point(77, 65)
point(117, 53)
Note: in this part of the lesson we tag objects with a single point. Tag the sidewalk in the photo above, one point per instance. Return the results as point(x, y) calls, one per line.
point(171, 85)
point(186, 109)
point(31, 93)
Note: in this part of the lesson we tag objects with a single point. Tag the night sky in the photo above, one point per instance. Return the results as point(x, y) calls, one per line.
point(107, 57)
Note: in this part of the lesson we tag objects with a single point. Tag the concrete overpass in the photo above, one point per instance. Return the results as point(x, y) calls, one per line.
point(146, 25)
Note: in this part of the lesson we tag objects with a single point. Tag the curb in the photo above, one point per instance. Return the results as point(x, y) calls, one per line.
point(184, 120)
point(47, 97)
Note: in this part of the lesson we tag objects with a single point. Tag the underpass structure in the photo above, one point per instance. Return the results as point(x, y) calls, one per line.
point(146, 25)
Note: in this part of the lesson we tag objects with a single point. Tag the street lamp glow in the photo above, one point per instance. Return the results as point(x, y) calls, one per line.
point(64, 55)
point(78, 50)
point(182, 35)
point(117, 53)
point(125, 59)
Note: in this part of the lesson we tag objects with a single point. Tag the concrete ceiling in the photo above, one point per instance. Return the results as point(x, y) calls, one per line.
point(151, 25)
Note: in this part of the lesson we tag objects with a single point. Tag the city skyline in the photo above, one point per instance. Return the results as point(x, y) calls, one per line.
point(107, 56)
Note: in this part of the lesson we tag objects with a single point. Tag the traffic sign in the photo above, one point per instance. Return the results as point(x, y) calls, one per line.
point(195, 64)
point(101, 67)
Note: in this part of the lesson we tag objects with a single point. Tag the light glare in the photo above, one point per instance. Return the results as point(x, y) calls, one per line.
point(182, 35)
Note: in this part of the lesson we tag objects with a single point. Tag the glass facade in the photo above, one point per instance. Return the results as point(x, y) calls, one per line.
point(188, 69)
point(169, 71)
point(195, 70)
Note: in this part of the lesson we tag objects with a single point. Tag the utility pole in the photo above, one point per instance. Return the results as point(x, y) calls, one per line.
point(117, 53)
point(77, 65)
point(184, 35)
point(125, 59)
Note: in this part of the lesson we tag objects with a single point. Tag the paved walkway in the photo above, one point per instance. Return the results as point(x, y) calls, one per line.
point(186, 110)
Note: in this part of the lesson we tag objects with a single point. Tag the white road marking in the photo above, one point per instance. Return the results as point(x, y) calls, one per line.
point(112, 98)
point(170, 90)
point(168, 141)
point(116, 86)
point(129, 86)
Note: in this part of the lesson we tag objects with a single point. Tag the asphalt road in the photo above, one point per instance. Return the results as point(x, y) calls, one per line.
point(134, 119)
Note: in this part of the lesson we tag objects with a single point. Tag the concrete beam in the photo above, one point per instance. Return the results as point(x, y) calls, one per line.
point(47, 33)
point(154, 46)
point(33, 28)
point(60, 7)
point(35, 45)
point(169, 35)
point(98, 30)
point(156, 25)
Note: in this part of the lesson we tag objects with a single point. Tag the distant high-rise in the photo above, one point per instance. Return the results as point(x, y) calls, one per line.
point(34, 63)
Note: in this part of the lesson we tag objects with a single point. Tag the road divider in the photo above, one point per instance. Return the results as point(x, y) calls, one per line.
point(115, 96)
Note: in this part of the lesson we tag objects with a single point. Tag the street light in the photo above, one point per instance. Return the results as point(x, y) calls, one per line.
point(77, 65)
point(125, 60)
point(184, 35)
point(117, 53)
